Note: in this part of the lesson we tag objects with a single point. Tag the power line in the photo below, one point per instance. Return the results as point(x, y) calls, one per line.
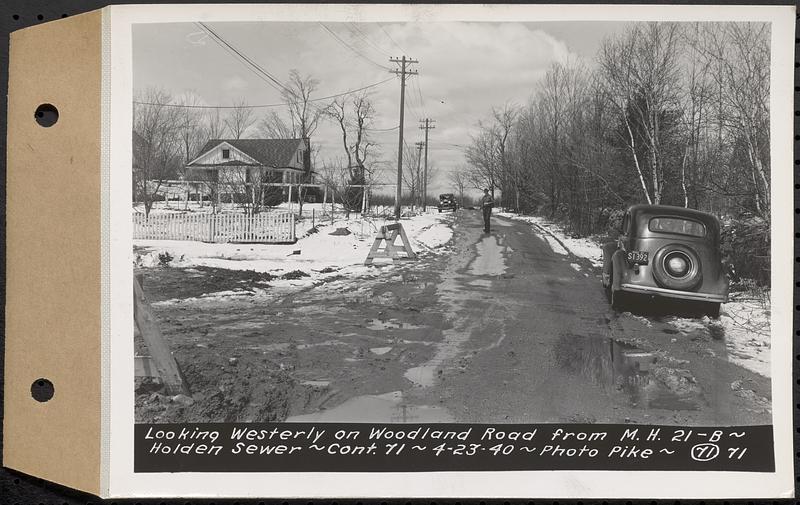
point(348, 92)
point(390, 38)
point(270, 79)
point(367, 39)
point(419, 93)
point(356, 51)
point(382, 129)
point(417, 97)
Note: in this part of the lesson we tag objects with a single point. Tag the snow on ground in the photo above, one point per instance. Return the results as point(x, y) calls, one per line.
point(588, 248)
point(339, 254)
point(747, 334)
point(744, 324)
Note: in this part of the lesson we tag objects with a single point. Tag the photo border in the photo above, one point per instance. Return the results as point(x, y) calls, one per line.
point(123, 482)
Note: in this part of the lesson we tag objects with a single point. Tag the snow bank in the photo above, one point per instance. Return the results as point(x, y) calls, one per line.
point(588, 248)
point(344, 254)
point(744, 325)
point(747, 334)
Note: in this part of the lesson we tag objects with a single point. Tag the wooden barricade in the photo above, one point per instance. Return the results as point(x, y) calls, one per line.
point(160, 364)
point(389, 234)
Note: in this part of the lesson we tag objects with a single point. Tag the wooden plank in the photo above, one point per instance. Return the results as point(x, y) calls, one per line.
point(143, 366)
point(391, 249)
point(407, 244)
point(373, 252)
point(162, 357)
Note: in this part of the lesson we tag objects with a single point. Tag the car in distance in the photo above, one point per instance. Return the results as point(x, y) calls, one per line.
point(447, 201)
point(665, 251)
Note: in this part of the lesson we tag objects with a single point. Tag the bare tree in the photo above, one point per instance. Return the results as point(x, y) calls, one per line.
point(303, 113)
point(641, 73)
point(273, 126)
point(740, 52)
point(354, 116)
point(216, 125)
point(504, 120)
point(337, 112)
point(671, 113)
point(481, 155)
point(156, 144)
point(458, 179)
point(336, 177)
point(191, 131)
point(363, 116)
point(240, 119)
point(412, 174)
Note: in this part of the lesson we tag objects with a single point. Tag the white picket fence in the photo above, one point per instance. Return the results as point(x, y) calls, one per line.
point(270, 227)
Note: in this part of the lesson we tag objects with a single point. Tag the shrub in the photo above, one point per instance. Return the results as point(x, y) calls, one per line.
point(294, 274)
point(745, 246)
point(164, 259)
point(613, 221)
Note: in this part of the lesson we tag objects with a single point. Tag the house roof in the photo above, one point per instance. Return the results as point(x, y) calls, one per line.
point(268, 152)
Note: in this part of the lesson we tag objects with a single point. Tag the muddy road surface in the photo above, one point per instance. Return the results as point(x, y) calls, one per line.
point(496, 328)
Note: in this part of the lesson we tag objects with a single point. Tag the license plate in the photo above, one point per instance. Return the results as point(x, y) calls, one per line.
point(638, 257)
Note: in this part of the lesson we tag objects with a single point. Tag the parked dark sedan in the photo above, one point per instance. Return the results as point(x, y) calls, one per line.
point(665, 251)
point(447, 201)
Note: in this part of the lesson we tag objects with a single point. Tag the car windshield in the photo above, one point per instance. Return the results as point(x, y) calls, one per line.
point(677, 225)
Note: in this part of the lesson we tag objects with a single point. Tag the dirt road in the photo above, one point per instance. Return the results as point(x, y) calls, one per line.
point(498, 329)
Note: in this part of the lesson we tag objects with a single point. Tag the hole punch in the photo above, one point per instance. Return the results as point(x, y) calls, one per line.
point(42, 390)
point(15, 17)
point(39, 17)
point(46, 115)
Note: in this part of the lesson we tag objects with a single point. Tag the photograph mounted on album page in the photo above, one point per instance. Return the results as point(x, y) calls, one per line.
point(443, 251)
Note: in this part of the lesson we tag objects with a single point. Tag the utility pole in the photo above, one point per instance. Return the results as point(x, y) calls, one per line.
point(402, 72)
point(418, 183)
point(428, 125)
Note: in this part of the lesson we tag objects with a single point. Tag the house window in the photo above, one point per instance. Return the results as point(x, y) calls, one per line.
point(299, 156)
point(226, 154)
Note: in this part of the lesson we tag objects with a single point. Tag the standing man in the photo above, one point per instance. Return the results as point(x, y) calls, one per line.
point(487, 202)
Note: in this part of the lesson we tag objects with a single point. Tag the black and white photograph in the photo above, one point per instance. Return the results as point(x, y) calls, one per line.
point(403, 251)
point(455, 222)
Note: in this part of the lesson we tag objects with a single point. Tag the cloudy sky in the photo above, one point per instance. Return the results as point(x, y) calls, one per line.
point(464, 70)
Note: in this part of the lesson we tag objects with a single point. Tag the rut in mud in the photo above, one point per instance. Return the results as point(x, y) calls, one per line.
point(258, 353)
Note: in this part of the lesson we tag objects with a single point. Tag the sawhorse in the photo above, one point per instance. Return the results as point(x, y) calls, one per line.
point(391, 250)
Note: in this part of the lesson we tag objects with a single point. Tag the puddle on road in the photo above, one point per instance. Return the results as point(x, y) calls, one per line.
point(380, 324)
point(317, 383)
point(385, 408)
point(624, 367)
point(446, 350)
point(484, 283)
point(501, 223)
point(380, 350)
point(423, 375)
point(490, 259)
